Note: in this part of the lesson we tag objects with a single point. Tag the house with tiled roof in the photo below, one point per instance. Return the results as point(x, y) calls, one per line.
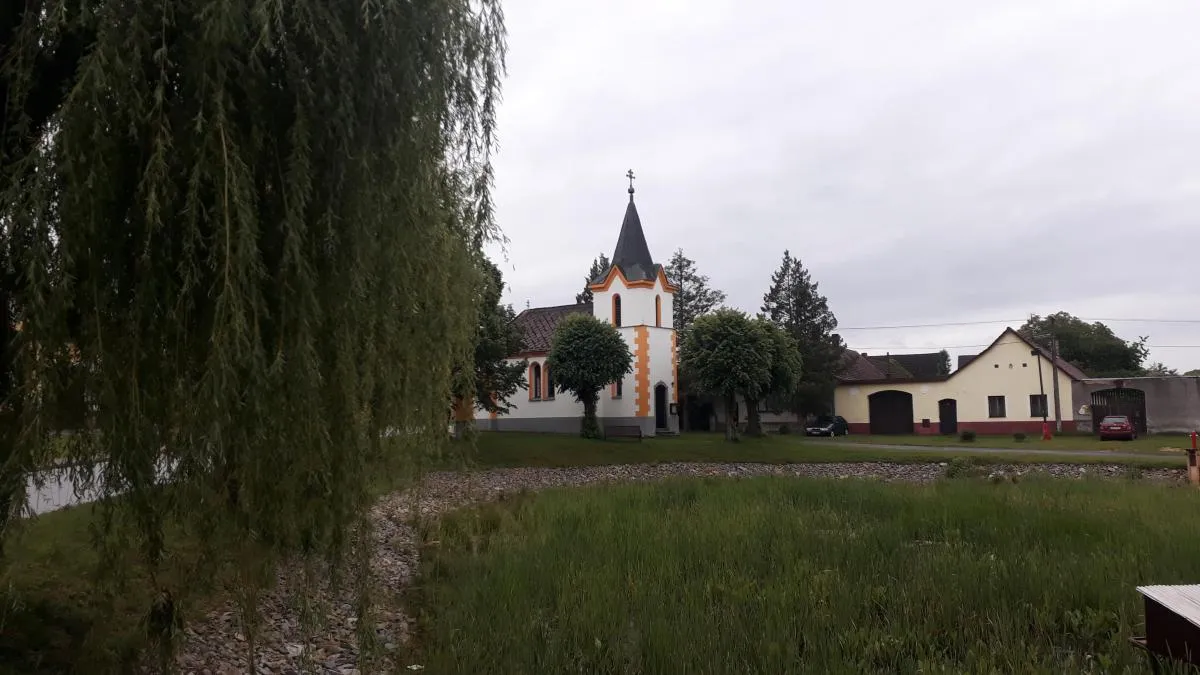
point(1006, 388)
point(634, 295)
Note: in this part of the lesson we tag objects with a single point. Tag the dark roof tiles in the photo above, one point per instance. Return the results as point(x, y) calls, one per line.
point(856, 366)
point(538, 324)
point(632, 255)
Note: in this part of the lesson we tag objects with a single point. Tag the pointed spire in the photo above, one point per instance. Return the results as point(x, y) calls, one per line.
point(632, 255)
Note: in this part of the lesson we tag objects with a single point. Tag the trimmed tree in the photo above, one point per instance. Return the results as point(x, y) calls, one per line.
point(785, 372)
point(587, 355)
point(694, 298)
point(726, 354)
point(599, 266)
point(794, 304)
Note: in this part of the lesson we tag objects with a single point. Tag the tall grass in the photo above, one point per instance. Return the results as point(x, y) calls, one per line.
point(779, 575)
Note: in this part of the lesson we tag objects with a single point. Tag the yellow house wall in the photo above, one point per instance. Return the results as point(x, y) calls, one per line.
point(1007, 369)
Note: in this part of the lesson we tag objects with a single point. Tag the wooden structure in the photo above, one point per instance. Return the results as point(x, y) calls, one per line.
point(623, 431)
point(1172, 623)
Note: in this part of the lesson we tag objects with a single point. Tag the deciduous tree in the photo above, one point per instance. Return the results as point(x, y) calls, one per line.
point(1159, 369)
point(1193, 373)
point(795, 304)
point(785, 372)
point(253, 226)
point(727, 355)
point(586, 355)
point(1092, 346)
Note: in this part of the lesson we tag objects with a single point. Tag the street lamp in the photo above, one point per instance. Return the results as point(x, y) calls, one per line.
point(1041, 385)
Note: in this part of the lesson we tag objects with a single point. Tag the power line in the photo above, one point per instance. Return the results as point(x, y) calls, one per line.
point(938, 348)
point(931, 325)
point(991, 321)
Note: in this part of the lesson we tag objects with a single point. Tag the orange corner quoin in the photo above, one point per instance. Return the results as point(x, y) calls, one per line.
point(616, 273)
point(641, 344)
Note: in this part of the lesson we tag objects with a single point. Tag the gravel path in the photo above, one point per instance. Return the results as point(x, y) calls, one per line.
point(215, 645)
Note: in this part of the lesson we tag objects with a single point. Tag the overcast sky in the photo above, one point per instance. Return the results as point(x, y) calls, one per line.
point(928, 161)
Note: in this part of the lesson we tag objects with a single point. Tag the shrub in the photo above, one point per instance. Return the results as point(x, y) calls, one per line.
point(963, 467)
point(1019, 437)
point(784, 430)
point(967, 436)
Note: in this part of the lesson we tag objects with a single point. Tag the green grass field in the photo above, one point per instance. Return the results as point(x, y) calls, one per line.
point(775, 576)
point(558, 450)
point(1164, 445)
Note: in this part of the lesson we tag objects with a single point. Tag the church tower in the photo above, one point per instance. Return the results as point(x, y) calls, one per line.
point(635, 295)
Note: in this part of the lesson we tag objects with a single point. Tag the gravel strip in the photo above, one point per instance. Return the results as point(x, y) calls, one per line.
point(216, 645)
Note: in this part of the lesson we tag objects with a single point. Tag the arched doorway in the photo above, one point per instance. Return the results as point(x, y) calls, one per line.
point(891, 412)
point(1119, 401)
point(948, 416)
point(661, 407)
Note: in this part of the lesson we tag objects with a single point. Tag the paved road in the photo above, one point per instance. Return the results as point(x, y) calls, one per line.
point(958, 449)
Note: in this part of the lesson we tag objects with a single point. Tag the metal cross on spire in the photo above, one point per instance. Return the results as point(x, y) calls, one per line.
point(630, 176)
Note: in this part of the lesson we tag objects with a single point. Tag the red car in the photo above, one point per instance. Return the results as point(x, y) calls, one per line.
point(1117, 427)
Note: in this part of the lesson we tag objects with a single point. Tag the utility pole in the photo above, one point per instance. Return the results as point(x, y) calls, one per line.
point(1054, 374)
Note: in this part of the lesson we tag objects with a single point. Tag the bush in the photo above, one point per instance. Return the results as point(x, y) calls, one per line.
point(1019, 437)
point(967, 436)
point(784, 430)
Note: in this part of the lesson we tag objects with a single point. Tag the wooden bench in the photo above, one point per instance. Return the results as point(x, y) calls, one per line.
point(623, 431)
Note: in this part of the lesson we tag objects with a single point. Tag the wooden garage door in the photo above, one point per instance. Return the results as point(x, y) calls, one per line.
point(891, 412)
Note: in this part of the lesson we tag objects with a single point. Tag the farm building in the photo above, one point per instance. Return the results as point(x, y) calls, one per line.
point(1156, 405)
point(1007, 388)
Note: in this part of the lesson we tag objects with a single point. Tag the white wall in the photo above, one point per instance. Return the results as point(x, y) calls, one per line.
point(637, 304)
point(562, 405)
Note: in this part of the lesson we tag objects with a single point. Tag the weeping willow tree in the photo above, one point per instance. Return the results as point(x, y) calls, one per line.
point(246, 229)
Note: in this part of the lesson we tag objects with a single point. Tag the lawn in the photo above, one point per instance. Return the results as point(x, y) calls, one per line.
point(1167, 445)
point(507, 449)
point(52, 617)
point(778, 575)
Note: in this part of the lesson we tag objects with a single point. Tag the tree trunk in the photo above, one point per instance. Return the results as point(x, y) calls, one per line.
point(753, 421)
point(731, 419)
point(590, 428)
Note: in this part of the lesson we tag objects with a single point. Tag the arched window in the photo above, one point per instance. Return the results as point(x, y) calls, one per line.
point(535, 382)
point(549, 384)
point(658, 311)
point(616, 310)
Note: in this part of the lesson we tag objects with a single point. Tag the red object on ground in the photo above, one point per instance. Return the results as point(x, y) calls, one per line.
point(1046, 431)
point(1193, 440)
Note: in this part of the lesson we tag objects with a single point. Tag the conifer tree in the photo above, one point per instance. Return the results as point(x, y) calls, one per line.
point(251, 227)
point(493, 379)
point(599, 266)
point(695, 296)
point(794, 304)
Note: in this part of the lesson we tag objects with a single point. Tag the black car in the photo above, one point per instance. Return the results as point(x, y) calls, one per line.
point(834, 425)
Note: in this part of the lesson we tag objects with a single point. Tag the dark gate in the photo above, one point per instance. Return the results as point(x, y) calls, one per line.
point(1121, 401)
point(948, 416)
point(660, 407)
point(891, 412)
